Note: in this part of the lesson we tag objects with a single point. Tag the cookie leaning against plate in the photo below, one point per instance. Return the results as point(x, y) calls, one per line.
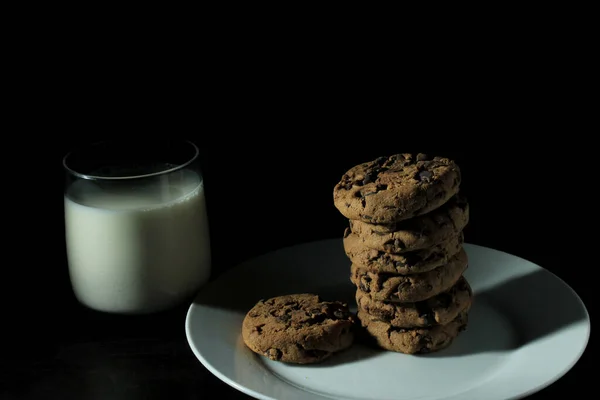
point(395, 188)
point(298, 328)
point(414, 340)
point(437, 310)
point(417, 233)
point(409, 288)
point(413, 262)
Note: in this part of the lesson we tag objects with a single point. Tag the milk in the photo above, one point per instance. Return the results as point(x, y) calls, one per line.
point(136, 247)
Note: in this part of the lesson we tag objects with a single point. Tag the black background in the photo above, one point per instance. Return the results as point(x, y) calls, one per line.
point(267, 189)
point(278, 118)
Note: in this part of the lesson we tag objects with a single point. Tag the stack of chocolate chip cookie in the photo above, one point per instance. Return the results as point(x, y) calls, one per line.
point(405, 243)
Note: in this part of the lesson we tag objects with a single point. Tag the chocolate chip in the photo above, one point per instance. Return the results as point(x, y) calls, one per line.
point(317, 318)
point(274, 354)
point(423, 342)
point(425, 312)
point(412, 258)
point(372, 254)
point(380, 160)
point(444, 300)
point(258, 328)
point(284, 318)
point(425, 176)
point(362, 286)
point(315, 353)
point(439, 219)
point(369, 178)
point(428, 318)
point(399, 244)
point(381, 315)
point(423, 157)
point(340, 314)
point(347, 232)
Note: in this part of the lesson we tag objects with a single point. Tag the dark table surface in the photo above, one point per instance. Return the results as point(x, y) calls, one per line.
point(54, 348)
point(92, 355)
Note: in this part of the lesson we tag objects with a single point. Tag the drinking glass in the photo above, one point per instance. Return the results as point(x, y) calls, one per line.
point(136, 224)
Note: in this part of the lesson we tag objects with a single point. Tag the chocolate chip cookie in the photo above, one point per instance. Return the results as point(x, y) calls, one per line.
point(298, 328)
point(437, 310)
point(416, 233)
point(413, 340)
point(395, 188)
point(409, 288)
point(413, 262)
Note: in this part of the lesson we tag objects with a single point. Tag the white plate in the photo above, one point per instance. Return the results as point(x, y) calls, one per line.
point(526, 329)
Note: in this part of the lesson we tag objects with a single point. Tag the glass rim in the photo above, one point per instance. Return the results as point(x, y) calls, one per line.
point(128, 177)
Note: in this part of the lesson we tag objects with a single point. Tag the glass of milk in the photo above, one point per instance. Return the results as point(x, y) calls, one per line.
point(136, 225)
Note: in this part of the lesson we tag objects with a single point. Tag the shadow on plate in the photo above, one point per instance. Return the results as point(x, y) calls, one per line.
point(510, 315)
point(515, 314)
point(537, 304)
point(242, 297)
point(358, 352)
